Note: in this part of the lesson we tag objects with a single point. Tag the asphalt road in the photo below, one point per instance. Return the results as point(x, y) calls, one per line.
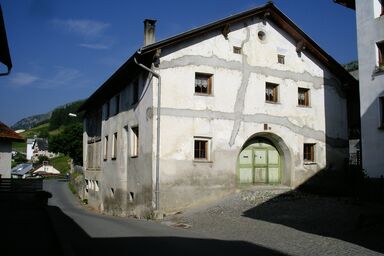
point(82, 232)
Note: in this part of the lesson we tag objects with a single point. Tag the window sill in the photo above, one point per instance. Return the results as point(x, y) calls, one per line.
point(378, 71)
point(203, 94)
point(202, 161)
point(135, 156)
point(272, 102)
point(310, 163)
point(303, 106)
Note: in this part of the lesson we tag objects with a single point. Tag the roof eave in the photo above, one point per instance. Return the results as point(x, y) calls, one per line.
point(351, 4)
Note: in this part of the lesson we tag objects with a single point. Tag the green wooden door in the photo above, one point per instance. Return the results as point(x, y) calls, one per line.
point(259, 163)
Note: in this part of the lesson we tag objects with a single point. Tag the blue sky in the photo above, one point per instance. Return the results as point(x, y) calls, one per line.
point(63, 51)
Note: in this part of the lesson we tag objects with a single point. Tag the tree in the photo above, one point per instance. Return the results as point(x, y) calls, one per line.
point(69, 142)
point(42, 159)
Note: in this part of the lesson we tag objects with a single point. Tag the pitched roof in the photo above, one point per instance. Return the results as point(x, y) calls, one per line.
point(347, 3)
point(41, 143)
point(7, 133)
point(269, 11)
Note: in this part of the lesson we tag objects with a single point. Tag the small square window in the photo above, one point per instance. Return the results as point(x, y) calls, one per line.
point(105, 148)
point(236, 50)
point(134, 141)
point(114, 146)
point(271, 92)
point(203, 83)
point(303, 97)
point(380, 48)
point(309, 152)
point(202, 148)
point(281, 59)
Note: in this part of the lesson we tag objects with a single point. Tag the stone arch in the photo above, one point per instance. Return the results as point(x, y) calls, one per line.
point(278, 143)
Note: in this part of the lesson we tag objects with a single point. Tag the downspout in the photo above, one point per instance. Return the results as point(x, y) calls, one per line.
point(157, 189)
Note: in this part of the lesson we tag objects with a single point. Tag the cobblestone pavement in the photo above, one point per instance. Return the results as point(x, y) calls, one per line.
point(290, 222)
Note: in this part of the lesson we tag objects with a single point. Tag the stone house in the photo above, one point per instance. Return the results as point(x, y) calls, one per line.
point(370, 46)
point(246, 100)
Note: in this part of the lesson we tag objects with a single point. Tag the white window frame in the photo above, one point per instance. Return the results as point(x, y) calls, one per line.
point(114, 146)
point(208, 149)
point(105, 148)
point(134, 141)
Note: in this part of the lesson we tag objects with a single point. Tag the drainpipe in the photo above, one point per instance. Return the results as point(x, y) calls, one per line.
point(157, 189)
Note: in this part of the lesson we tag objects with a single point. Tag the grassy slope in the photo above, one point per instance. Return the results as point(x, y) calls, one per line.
point(61, 163)
point(28, 134)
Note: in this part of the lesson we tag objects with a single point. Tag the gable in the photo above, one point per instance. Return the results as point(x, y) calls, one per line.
point(260, 44)
point(267, 13)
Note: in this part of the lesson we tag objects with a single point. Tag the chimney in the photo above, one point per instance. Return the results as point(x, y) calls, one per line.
point(149, 31)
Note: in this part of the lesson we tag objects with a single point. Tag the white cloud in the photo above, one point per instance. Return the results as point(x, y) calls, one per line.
point(23, 79)
point(59, 76)
point(95, 46)
point(86, 28)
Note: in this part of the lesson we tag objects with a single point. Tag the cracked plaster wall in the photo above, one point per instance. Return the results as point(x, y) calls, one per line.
point(236, 110)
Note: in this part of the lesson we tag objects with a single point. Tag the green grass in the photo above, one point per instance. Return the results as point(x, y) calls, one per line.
point(60, 163)
point(19, 147)
point(34, 131)
point(38, 130)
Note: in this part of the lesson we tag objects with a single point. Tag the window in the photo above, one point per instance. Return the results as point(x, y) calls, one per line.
point(203, 83)
point(202, 148)
point(381, 104)
point(105, 148)
point(107, 110)
point(134, 141)
point(117, 104)
point(114, 146)
point(309, 152)
point(380, 47)
point(271, 92)
point(236, 50)
point(281, 59)
point(303, 97)
point(261, 35)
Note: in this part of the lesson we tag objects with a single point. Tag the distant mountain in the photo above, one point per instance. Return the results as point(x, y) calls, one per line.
point(56, 117)
point(31, 121)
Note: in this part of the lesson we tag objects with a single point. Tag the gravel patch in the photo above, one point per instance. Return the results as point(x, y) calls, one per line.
point(289, 221)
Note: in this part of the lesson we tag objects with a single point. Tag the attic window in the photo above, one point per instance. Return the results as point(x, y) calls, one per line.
point(261, 35)
point(236, 50)
point(281, 59)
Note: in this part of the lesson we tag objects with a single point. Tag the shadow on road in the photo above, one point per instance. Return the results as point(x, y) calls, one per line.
point(77, 242)
point(29, 225)
point(341, 218)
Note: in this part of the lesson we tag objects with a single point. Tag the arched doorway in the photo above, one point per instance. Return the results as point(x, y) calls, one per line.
point(262, 161)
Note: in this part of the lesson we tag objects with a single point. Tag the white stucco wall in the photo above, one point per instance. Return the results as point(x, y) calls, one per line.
point(237, 110)
point(234, 113)
point(370, 30)
point(5, 159)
